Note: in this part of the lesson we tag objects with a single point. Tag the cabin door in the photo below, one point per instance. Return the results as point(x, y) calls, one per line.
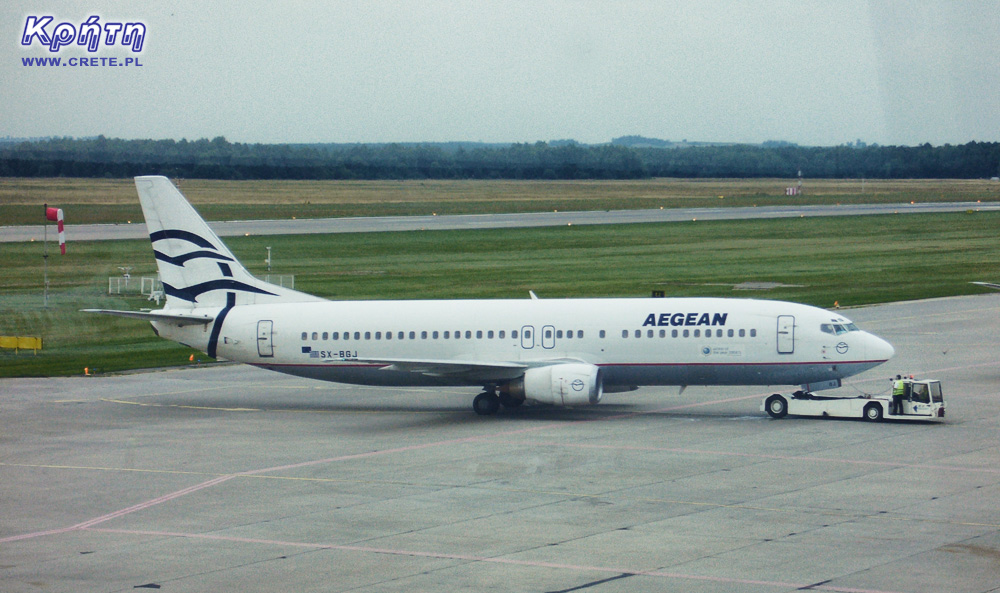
point(786, 334)
point(265, 348)
point(548, 337)
point(528, 337)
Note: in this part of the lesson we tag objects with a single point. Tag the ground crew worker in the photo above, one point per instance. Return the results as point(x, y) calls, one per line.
point(898, 391)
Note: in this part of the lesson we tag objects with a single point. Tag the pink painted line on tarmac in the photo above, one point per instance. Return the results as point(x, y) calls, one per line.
point(405, 449)
point(215, 481)
point(493, 560)
point(152, 503)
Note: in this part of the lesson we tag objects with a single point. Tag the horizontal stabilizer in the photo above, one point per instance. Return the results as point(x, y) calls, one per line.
point(176, 318)
point(988, 285)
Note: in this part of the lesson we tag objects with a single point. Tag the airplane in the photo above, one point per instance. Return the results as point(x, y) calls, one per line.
point(562, 352)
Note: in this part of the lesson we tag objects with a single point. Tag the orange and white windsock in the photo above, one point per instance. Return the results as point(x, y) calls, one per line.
point(56, 215)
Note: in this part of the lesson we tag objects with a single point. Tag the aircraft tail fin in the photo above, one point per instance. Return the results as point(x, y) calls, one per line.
point(196, 268)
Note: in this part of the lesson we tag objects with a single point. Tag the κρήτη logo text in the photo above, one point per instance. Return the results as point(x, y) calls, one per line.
point(91, 33)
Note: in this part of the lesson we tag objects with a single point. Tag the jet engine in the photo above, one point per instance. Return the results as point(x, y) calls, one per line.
point(560, 384)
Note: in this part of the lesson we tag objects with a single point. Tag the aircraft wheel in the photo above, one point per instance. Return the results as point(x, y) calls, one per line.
point(776, 406)
point(873, 412)
point(486, 404)
point(507, 401)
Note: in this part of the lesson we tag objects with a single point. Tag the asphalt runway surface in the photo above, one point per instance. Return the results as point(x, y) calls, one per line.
point(228, 478)
point(106, 232)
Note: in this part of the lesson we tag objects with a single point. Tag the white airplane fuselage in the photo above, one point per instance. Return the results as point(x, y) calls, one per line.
point(682, 341)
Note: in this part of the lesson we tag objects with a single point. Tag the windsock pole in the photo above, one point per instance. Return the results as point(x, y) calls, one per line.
point(55, 215)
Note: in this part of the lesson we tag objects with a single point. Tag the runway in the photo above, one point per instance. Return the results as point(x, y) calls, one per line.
point(107, 232)
point(234, 479)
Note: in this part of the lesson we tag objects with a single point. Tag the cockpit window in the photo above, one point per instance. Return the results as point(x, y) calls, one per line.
point(835, 328)
point(852, 328)
point(827, 328)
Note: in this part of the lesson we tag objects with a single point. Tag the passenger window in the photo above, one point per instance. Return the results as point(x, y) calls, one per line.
point(368, 335)
point(697, 333)
point(743, 333)
point(357, 335)
point(447, 335)
point(687, 333)
point(624, 333)
point(513, 334)
point(730, 333)
point(489, 334)
point(579, 333)
point(335, 336)
point(423, 335)
point(378, 335)
point(638, 333)
point(603, 334)
point(479, 334)
point(435, 335)
point(753, 333)
point(468, 334)
point(413, 335)
point(673, 333)
point(305, 336)
point(388, 335)
point(649, 333)
point(325, 335)
point(663, 333)
point(718, 333)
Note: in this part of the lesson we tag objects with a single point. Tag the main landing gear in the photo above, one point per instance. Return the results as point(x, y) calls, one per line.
point(488, 402)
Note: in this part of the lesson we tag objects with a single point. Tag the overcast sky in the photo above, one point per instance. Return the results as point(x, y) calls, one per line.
point(814, 73)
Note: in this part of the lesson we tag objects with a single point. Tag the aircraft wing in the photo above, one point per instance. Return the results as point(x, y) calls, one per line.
point(486, 371)
point(988, 285)
point(162, 315)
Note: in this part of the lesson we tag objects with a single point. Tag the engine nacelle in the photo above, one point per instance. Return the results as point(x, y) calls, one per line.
point(560, 384)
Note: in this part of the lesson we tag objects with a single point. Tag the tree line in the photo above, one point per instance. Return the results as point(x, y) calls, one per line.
point(220, 159)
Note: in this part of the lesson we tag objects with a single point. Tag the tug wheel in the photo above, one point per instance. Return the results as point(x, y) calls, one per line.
point(776, 406)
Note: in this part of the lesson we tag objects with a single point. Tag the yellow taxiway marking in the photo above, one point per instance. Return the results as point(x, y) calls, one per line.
point(155, 405)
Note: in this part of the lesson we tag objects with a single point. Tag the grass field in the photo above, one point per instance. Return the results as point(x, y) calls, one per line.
point(114, 200)
point(850, 260)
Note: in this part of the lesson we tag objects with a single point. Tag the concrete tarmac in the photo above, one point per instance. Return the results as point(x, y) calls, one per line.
point(228, 478)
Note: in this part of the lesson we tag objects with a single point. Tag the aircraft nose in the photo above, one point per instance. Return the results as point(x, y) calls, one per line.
point(879, 349)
